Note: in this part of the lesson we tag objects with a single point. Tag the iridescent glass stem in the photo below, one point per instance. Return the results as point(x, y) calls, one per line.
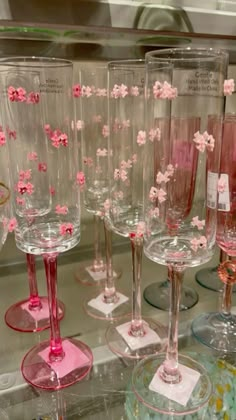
point(110, 295)
point(136, 328)
point(98, 264)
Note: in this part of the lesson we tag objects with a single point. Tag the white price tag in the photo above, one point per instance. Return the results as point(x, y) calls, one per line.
point(224, 198)
point(212, 187)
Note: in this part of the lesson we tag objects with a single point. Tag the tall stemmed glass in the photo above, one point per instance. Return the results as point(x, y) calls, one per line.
point(218, 329)
point(92, 128)
point(183, 86)
point(38, 105)
point(132, 337)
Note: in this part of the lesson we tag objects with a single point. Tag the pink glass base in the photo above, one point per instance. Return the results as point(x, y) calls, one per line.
point(85, 274)
point(20, 318)
point(39, 371)
point(119, 346)
point(115, 314)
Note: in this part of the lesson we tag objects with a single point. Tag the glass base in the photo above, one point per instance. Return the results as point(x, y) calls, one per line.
point(118, 312)
point(20, 319)
point(37, 372)
point(208, 278)
point(157, 295)
point(212, 330)
point(85, 274)
point(119, 346)
point(143, 374)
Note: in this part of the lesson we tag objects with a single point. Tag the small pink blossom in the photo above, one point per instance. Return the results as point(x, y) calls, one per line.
point(126, 123)
point(20, 201)
point(80, 178)
point(80, 125)
point(47, 129)
point(21, 94)
point(123, 175)
point(170, 169)
point(210, 141)
point(198, 223)
point(2, 138)
point(32, 156)
point(77, 90)
point(221, 185)
point(204, 141)
point(154, 212)
point(154, 134)
point(126, 165)
point(88, 161)
point(12, 223)
point(33, 98)
point(197, 243)
point(102, 152)
point(101, 92)
point(119, 91)
point(134, 91)
point(23, 188)
point(162, 177)
point(52, 190)
point(229, 87)
point(42, 167)
point(87, 91)
point(16, 95)
point(11, 93)
point(61, 209)
point(194, 244)
point(66, 228)
point(24, 175)
point(64, 139)
point(105, 131)
point(97, 118)
point(153, 193)
point(55, 139)
point(164, 90)
point(141, 137)
point(161, 195)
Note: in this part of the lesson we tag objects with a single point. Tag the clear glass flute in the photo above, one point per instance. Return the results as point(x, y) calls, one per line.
point(217, 330)
point(182, 87)
point(132, 337)
point(37, 105)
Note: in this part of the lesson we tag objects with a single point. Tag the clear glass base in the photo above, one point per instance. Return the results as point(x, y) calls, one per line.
point(20, 319)
point(208, 278)
point(143, 374)
point(216, 331)
point(86, 275)
point(116, 313)
point(37, 372)
point(158, 295)
point(119, 346)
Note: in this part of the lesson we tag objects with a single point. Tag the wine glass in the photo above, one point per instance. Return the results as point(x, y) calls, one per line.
point(132, 337)
point(37, 104)
point(92, 131)
point(108, 304)
point(217, 330)
point(183, 86)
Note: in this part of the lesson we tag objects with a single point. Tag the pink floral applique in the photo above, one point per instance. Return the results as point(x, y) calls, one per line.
point(61, 209)
point(66, 229)
point(119, 91)
point(77, 90)
point(154, 212)
point(16, 95)
point(105, 131)
point(20, 201)
point(52, 191)
point(198, 223)
point(64, 139)
point(126, 124)
point(32, 156)
point(97, 118)
point(88, 161)
point(123, 175)
point(141, 137)
point(101, 92)
point(57, 137)
point(126, 165)
point(161, 195)
point(102, 152)
point(154, 134)
point(86, 91)
point(153, 193)
point(229, 87)
point(170, 169)
point(197, 243)
point(25, 175)
point(33, 98)
point(80, 125)
point(162, 177)
point(204, 141)
point(2, 138)
point(221, 187)
point(164, 91)
point(23, 187)
point(42, 167)
point(80, 178)
point(47, 129)
point(134, 91)
point(12, 223)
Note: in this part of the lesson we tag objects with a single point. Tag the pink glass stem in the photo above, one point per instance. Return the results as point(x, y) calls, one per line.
point(137, 328)
point(98, 264)
point(56, 350)
point(34, 299)
point(110, 295)
point(170, 371)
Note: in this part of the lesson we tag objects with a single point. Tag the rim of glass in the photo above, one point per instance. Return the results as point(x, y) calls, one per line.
point(181, 54)
point(124, 63)
point(28, 62)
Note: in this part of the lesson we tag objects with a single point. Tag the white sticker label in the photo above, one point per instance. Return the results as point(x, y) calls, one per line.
point(212, 187)
point(224, 198)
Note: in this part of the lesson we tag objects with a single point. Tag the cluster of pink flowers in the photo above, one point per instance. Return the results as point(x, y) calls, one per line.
point(141, 137)
point(101, 92)
point(204, 141)
point(120, 174)
point(198, 223)
point(119, 125)
point(2, 138)
point(42, 167)
point(80, 178)
point(164, 91)
point(61, 209)
point(126, 164)
point(134, 91)
point(77, 91)
point(66, 229)
point(56, 136)
point(162, 177)
point(158, 194)
point(197, 243)
point(119, 91)
point(102, 152)
point(20, 95)
point(154, 134)
point(10, 224)
point(22, 188)
point(229, 87)
point(25, 175)
point(52, 190)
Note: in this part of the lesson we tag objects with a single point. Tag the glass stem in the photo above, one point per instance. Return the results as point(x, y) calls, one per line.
point(110, 295)
point(137, 327)
point(227, 300)
point(98, 264)
point(56, 350)
point(170, 370)
point(34, 299)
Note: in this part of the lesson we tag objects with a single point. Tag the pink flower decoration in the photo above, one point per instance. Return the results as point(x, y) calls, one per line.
point(23, 188)
point(102, 152)
point(80, 125)
point(101, 92)
point(170, 169)
point(162, 177)
point(161, 195)
point(153, 193)
point(105, 131)
point(55, 139)
point(33, 98)
point(47, 129)
point(126, 124)
point(61, 209)
point(20, 201)
point(194, 244)
point(164, 91)
point(134, 91)
point(87, 91)
point(80, 178)
point(12, 224)
point(154, 134)
point(64, 139)
point(88, 161)
point(126, 165)
point(24, 175)
point(154, 212)
point(221, 185)
point(97, 118)
point(32, 156)
point(198, 223)
point(204, 141)
point(119, 91)
point(2, 138)
point(21, 94)
point(197, 243)
point(66, 229)
point(42, 167)
point(77, 91)
point(141, 137)
point(52, 190)
point(11, 93)
point(229, 87)
point(123, 175)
